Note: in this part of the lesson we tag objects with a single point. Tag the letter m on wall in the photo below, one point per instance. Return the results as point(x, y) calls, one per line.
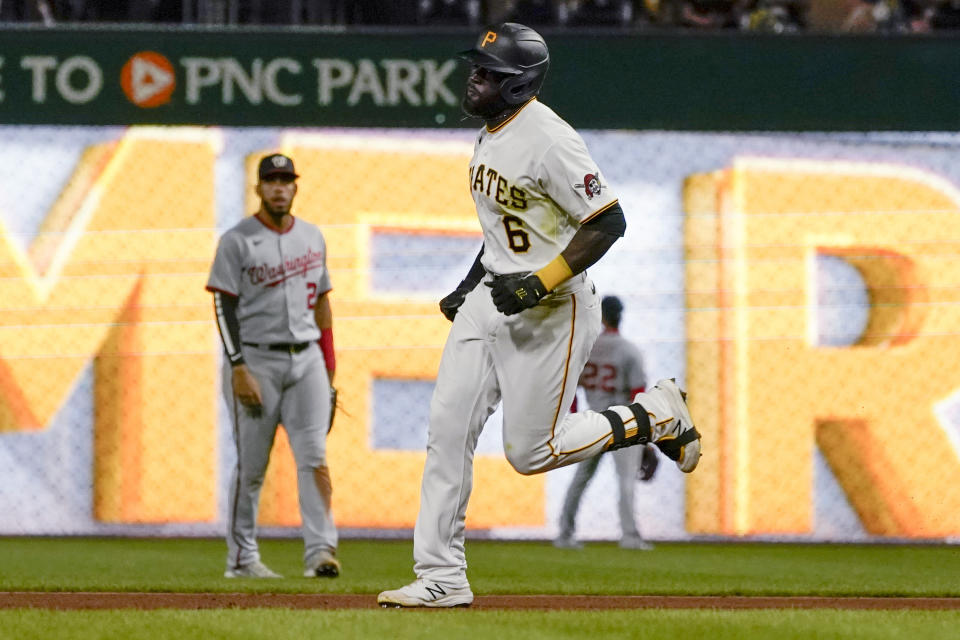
point(115, 274)
point(767, 394)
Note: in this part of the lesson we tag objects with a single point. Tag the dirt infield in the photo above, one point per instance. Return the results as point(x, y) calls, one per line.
point(92, 600)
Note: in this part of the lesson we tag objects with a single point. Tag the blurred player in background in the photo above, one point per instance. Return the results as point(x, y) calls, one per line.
point(613, 375)
point(270, 287)
point(523, 336)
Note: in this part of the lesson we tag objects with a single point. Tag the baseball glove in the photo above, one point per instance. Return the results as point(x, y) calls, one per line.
point(333, 407)
point(648, 462)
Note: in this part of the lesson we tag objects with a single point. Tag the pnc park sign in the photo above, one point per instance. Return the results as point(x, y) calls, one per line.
point(232, 79)
point(408, 78)
point(149, 79)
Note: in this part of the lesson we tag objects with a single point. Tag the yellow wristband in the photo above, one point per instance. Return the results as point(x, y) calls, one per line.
point(554, 273)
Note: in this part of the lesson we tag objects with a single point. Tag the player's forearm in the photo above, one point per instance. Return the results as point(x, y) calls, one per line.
point(585, 248)
point(323, 314)
point(588, 245)
point(225, 307)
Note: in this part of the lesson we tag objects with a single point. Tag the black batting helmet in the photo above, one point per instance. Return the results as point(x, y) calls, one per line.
point(516, 50)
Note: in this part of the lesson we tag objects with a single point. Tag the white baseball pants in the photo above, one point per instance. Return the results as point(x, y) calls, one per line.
point(530, 361)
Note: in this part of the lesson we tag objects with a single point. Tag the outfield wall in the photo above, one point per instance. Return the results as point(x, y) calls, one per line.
point(802, 286)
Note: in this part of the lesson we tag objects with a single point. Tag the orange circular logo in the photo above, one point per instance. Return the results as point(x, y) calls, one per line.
point(148, 79)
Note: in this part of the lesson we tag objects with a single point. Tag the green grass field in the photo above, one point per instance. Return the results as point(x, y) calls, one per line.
point(75, 564)
point(270, 624)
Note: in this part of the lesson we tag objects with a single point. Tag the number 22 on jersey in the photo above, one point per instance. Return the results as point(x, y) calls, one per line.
point(602, 377)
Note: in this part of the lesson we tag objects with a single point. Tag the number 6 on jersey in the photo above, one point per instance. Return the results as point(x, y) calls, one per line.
point(517, 239)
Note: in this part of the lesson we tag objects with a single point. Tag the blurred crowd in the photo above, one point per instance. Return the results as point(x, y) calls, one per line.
point(772, 16)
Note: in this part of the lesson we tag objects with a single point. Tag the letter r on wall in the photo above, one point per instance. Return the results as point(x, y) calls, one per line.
point(766, 395)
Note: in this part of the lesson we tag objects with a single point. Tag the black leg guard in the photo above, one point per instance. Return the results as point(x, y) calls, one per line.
point(643, 423)
point(620, 439)
point(616, 423)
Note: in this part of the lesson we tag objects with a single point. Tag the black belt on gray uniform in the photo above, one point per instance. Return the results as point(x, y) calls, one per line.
point(289, 347)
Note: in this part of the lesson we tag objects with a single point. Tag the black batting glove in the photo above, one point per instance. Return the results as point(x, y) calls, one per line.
point(515, 293)
point(453, 301)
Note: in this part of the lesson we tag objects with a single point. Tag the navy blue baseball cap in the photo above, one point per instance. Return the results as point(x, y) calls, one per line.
point(610, 309)
point(276, 164)
point(611, 305)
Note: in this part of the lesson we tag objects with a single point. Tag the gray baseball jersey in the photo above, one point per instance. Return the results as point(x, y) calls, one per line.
point(615, 368)
point(277, 276)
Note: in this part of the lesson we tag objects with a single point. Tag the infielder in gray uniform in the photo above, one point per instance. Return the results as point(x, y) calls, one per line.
point(613, 375)
point(270, 288)
point(523, 336)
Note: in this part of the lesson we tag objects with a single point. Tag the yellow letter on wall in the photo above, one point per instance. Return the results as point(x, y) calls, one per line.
point(766, 393)
point(116, 274)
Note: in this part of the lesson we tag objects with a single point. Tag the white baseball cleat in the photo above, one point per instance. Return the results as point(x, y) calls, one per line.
point(675, 436)
point(420, 593)
point(254, 569)
point(322, 565)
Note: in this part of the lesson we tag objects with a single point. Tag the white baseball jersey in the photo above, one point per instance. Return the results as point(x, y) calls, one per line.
point(277, 276)
point(534, 183)
point(615, 368)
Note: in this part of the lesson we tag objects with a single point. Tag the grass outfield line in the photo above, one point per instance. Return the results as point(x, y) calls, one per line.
point(496, 570)
point(92, 600)
point(369, 566)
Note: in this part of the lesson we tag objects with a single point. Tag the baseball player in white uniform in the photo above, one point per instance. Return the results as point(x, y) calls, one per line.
point(613, 375)
point(270, 287)
point(523, 336)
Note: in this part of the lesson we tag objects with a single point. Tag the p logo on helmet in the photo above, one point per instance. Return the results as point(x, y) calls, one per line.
point(490, 37)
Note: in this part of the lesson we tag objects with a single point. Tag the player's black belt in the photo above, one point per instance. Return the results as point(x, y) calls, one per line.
point(289, 347)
